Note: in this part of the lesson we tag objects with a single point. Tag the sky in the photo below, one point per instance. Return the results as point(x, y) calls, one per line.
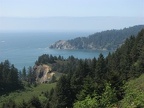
point(75, 8)
point(19, 14)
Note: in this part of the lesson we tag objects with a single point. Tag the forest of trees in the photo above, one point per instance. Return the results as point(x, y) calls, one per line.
point(100, 80)
point(90, 83)
point(9, 78)
point(109, 40)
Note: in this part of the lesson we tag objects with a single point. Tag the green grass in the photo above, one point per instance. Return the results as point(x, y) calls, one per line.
point(28, 93)
point(134, 94)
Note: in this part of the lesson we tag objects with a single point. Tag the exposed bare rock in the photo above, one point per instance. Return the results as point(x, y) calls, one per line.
point(43, 73)
point(62, 44)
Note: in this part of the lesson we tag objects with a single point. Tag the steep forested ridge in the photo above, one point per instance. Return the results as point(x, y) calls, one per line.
point(134, 93)
point(105, 40)
point(99, 82)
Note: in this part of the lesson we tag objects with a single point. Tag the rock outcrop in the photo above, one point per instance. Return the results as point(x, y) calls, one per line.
point(43, 73)
point(62, 44)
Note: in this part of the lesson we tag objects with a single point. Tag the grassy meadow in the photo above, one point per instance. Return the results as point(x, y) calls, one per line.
point(28, 93)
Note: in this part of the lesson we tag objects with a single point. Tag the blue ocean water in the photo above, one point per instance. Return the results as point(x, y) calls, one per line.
point(24, 48)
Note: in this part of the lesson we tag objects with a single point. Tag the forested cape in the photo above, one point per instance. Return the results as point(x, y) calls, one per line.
point(105, 40)
point(94, 83)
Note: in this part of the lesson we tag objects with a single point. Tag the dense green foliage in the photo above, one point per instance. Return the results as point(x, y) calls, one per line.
point(46, 58)
point(41, 92)
point(58, 64)
point(95, 83)
point(109, 40)
point(134, 93)
point(106, 100)
point(91, 77)
point(28, 75)
point(9, 79)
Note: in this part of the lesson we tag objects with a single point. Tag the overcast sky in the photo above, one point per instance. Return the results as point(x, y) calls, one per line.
point(29, 14)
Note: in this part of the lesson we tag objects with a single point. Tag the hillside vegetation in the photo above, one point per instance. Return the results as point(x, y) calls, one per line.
point(105, 40)
point(105, 82)
point(134, 93)
point(101, 80)
point(20, 97)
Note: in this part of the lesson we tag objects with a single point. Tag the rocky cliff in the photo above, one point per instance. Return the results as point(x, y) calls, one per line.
point(62, 44)
point(43, 73)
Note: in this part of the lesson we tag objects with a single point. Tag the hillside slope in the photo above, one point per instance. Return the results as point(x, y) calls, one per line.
point(99, 82)
point(105, 40)
point(134, 93)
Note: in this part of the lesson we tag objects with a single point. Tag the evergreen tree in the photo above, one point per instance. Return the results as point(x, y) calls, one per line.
point(63, 93)
point(24, 73)
point(31, 75)
point(88, 102)
point(108, 98)
point(93, 67)
point(9, 78)
point(100, 68)
point(88, 88)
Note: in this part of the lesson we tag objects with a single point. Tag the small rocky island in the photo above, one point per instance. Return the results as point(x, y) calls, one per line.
point(105, 40)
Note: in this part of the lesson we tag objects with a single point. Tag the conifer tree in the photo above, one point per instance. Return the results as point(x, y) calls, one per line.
point(100, 68)
point(24, 73)
point(63, 93)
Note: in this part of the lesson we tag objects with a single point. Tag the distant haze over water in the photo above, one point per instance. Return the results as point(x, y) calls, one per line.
point(93, 23)
point(24, 48)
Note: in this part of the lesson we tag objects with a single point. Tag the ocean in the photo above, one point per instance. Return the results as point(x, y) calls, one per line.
point(24, 48)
